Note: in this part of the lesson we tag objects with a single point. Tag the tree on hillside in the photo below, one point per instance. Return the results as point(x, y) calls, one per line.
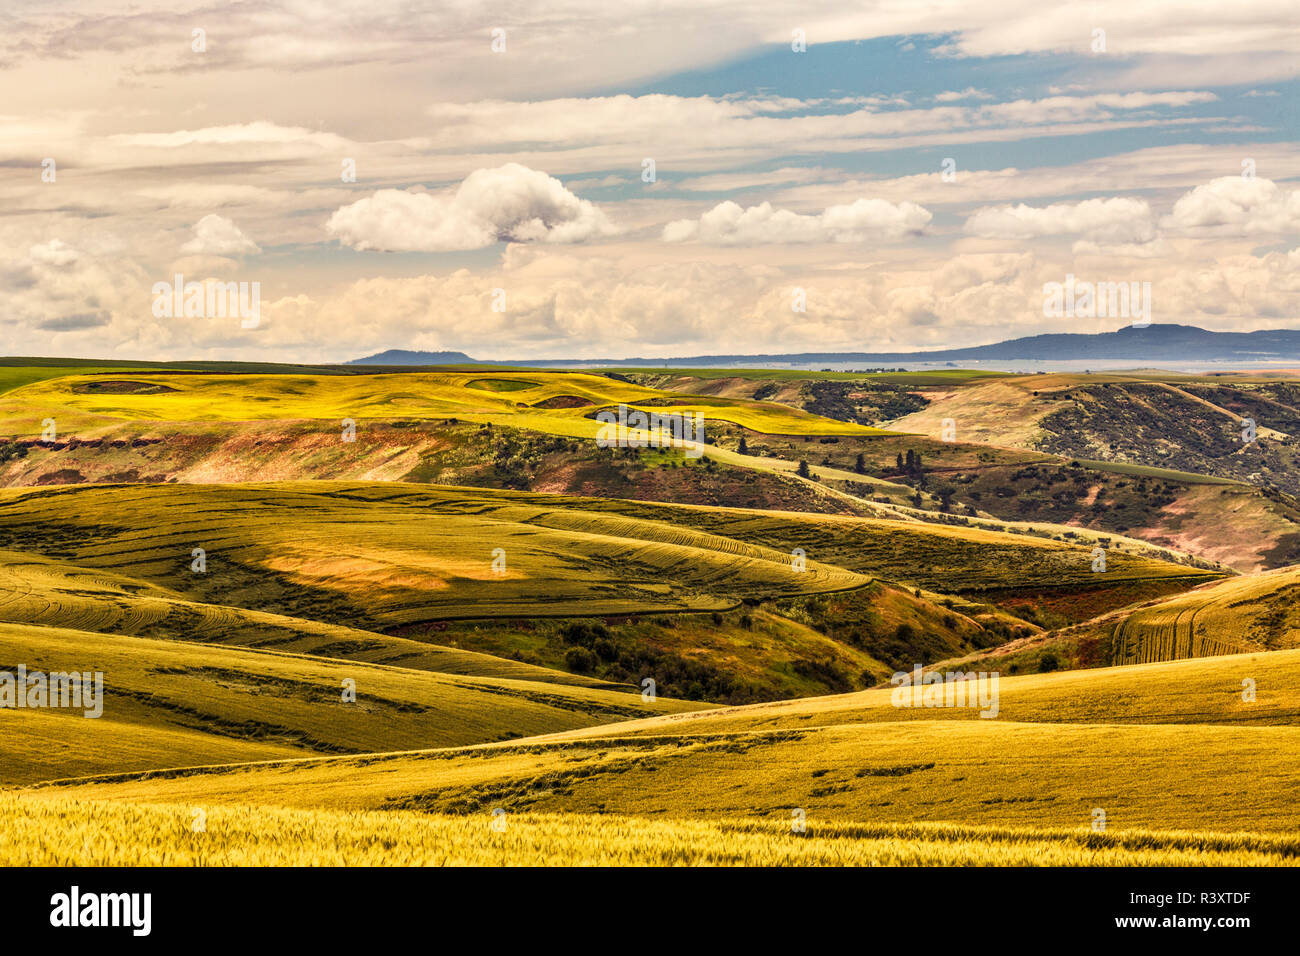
point(860, 466)
point(744, 446)
point(803, 468)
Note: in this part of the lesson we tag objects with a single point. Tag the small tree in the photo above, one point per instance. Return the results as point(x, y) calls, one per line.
point(860, 466)
point(744, 446)
point(803, 468)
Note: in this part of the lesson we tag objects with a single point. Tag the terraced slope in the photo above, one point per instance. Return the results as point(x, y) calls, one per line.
point(936, 557)
point(371, 555)
point(383, 555)
point(39, 591)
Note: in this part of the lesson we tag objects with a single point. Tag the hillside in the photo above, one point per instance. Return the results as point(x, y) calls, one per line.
point(1239, 615)
point(38, 591)
point(166, 702)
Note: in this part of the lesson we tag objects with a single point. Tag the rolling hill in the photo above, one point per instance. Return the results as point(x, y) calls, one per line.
point(168, 701)
point(849, 759)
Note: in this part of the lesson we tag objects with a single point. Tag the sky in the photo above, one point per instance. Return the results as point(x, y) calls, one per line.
point(567, 178)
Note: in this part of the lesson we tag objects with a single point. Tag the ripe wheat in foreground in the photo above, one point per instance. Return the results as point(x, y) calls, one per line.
point(92, 833)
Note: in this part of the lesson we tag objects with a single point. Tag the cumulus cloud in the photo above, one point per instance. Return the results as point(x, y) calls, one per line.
point(599, 303)
point(729, 224)
point(217, 236)
point(511, 203)
point(1118, 220)
point(1237, 206)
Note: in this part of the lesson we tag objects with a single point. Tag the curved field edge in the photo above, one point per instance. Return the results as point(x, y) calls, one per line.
point(96, 833)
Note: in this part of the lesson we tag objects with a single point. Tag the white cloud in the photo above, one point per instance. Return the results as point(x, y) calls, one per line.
point(510, 203)
point(970, 93)
point(729, 224)
point(1237, 206)
point(217, 236)
point(1116, 220)
point(600, 302)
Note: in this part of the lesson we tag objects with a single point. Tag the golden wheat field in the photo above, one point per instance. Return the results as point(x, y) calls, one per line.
point(96, 833)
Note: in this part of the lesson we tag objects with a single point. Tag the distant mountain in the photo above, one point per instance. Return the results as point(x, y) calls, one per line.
point(1153, 344)
point(403, 357)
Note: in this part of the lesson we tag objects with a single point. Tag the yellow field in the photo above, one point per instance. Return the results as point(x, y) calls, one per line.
point(225, 703)
point(1200, 691)
point(72, 401)
point(95, 833)
point(372, 554)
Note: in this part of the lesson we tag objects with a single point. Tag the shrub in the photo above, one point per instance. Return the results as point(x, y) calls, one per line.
point(580, 660)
